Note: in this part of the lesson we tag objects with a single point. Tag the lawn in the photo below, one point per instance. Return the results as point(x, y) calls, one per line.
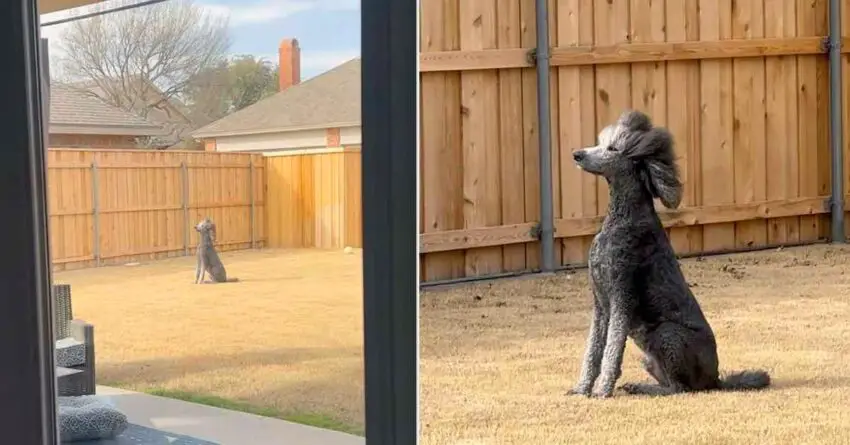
point(284, 341)
point(497, 359)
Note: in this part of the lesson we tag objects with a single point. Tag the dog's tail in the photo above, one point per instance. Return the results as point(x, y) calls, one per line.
point(751, 379)
point(232, 280)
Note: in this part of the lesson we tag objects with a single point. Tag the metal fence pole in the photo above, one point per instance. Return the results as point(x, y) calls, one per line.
point(547, 218)
point(836, 121)
point(184, 182)
point(95, 204)
point(253, 206)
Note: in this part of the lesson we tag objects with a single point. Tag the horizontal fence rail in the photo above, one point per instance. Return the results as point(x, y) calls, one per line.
point(580, 55)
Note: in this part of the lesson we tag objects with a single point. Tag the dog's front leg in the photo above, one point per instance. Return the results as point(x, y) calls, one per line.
point(615, 345)
point(202, 268)
point(198, 270)
point(593, 353)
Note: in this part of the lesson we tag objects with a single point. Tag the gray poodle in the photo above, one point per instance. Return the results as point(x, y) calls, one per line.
point(638, 287)
point(208, 260)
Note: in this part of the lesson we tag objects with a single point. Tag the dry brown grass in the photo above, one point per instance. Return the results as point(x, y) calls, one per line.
point(288, 336)
point(497, 359)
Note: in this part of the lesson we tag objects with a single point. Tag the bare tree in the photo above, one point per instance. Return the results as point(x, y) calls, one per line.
point(140, 58)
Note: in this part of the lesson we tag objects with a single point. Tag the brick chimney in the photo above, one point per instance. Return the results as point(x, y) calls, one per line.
point(290, 63)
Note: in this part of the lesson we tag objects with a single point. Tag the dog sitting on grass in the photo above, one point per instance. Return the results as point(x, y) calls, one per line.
point(208, 260)
point(638, 287)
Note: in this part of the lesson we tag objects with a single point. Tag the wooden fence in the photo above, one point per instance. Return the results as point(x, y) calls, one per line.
point(109, 207)
point(742, 85)
point(314, 199)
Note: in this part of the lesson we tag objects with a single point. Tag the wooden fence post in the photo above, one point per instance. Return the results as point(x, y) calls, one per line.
point(253, 205)
point(95, 199)
point(184, 180)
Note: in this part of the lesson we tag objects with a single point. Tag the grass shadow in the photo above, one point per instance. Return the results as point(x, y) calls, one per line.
point(812, 383)
point(160, 369)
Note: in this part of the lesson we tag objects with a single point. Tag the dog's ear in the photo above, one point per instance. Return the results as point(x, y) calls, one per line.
point(654, 150)
point(635, 120)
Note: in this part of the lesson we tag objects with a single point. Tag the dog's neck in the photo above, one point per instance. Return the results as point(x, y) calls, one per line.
point(205, 238)
point(628, 195)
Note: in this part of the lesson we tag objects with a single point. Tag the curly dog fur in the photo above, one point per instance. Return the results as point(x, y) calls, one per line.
point(638, 287)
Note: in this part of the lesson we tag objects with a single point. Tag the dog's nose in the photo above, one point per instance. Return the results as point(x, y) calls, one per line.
point(578, 155)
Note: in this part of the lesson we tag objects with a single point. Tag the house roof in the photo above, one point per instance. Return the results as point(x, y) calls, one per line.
point(331, 99)
point(166, 109)
point(75, 112)
point(167, 112)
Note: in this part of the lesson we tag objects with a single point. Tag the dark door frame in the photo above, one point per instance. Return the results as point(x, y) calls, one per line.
point(390, 235)
point(27, 374)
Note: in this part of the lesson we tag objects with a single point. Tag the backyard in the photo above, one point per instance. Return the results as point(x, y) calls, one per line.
point(284, 341)
point(498, 357)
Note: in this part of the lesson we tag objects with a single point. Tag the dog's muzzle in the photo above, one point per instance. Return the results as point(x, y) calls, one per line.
point(578, 157)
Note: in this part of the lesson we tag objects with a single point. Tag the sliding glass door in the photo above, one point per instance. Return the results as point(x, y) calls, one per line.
point(27, 376)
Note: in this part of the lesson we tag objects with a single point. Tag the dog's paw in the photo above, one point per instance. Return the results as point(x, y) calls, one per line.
point(579, 391)
point(603, 394)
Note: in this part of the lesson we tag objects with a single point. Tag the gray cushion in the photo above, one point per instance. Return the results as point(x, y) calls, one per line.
point(141, 435)
point(89, 418)
point(70, 352)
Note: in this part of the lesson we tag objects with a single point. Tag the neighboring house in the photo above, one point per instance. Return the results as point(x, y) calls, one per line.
point(80, 120)
point(167, 112)
point(323, 112)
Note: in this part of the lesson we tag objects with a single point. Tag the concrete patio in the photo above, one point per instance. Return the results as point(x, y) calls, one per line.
point(218, 425)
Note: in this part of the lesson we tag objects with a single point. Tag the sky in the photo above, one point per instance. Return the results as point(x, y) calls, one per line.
point(328, 31)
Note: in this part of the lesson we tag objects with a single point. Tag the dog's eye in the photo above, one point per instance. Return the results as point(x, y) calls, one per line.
point(611, 148)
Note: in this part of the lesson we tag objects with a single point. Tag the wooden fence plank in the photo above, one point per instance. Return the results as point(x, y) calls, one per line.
point(781, 122)
point(530, 129)
point(649, 79)
point(480, 105)
point(717, 124)
point(577, 124)
point(510, 132)
point(613, 91)
point(748, 128)
point(821, 226)
point(441, 145)
point(683, 116)
point(807, 102)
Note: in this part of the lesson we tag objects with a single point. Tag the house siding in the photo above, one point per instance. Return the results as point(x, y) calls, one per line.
point(270, 143)
point(350, 136)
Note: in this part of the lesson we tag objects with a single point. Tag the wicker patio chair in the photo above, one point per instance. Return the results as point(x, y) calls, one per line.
point(75, 354)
